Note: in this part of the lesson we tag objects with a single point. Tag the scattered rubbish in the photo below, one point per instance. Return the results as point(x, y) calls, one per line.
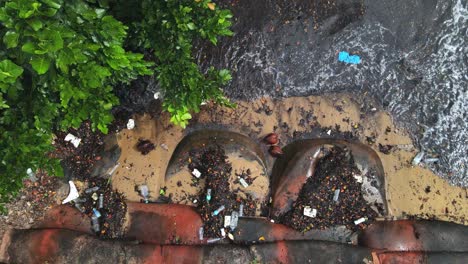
point(271, 220)
point(275, 151)
point(329, 132)
point(162, 191)
point(94, 196)
point(417, 159)
point(130, 124)
point(227, 220)
point(241, 210)
point(144, 192)
point(31, 175)
point(243, 182)
point(219, 210)
point(262, 238)
point(80, 200)
point(157, 95)
point(208, 195)
point(223, 232)
point(111, 172)
point(358, 178)
point(79, 207)
point(212, 240)
point(310, 212)
point(96, 213)
point(317, 153)
point(234, 220)
point(431, 160)
point(203, 103)
point(95, 222)
point(344, 56)
point(101, 201)
point(73, 193)
point(72, 139)
point(195, 201)
point(271, 139)
point(360, 221)
point(90, 190)
point(145, 146)
point(196, 173)
point(336, 195)
point(164, 146)
point(231, 236)
point(200, 233)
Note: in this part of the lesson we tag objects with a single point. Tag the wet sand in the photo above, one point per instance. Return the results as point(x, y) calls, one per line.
point(410, 190)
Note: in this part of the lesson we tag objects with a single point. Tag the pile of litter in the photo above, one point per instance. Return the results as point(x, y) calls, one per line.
point(219, 207)
point(105, 207)
point(332, 196)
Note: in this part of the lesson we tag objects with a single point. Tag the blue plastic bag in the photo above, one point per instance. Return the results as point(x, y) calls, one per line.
point(345, 57)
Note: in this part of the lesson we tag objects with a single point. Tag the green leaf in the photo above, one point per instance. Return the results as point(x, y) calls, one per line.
point(191, 26)
point(36, 24)
point(186, 116)
point(40, 64)
point(9, 72)
point(11, 39)
point(50, 40)
point(64, 59)
point(29, 47)
point(52, 3)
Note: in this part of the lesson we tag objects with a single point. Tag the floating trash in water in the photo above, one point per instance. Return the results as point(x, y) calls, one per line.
point(73, 139)
point(344, 56)
point(417, 159)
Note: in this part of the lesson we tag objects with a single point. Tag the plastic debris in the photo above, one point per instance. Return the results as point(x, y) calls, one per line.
point(195, 201)
point(417, 159)
point(144, 192)
point(231, 236)
point(196, 173)
point(243, 182)
point(212, 240)
point(336, 195)
point(272, 220)
point(113, 169)
point(329, 132)
point(234, 220)
point(262, 238)
point(208, 195)
point(94, 196)
point(360, 220)
point(73, 193)
point(310, 212)
point(358, 178)
point(200, 233)
point(73, 139)
point(31, 175)
point(164, 146)
point(130, 124)
point(431, 160)
point(241, 210)
point(93, 189)
point(79, 207)
point(223, 232)
point(96, 213)
point(227, 220)
point(344, 56)
point(157, 95)
point(95, 223)
point(101, 201)
point(80, 200)
point(219, 210)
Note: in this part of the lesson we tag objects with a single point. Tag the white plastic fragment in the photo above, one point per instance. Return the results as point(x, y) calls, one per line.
point(241, 210)
point(271, 220)
point(157, 95)
point(231, 236)
point(114, 169)
point(243, 182)
point(227, 220)
point(200, 233)
point(417, 159)
point(329, 132)
point(72, 139)
point(360, 220)
point(31, 175)
point(164, 146)
point(73, 193)
point(203, 103)
point(431, 160)
point(130, 124)
point(310, 212)
point(234, 220)
point(358, 178)
point(196, 173)
point(223, 232)
point(212, 240)
point(336, 195)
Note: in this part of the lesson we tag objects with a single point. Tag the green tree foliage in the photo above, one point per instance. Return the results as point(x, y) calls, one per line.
point(168, 28)
point(59, 60)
